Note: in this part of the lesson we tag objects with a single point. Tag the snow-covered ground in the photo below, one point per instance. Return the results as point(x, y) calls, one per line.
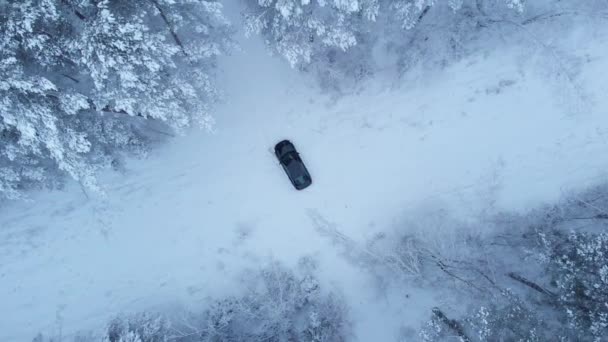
point(491, 132)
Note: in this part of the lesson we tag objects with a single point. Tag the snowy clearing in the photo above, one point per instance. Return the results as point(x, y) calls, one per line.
point(489, 133)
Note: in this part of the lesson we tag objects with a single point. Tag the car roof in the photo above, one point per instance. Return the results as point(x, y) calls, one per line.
point(296, 167)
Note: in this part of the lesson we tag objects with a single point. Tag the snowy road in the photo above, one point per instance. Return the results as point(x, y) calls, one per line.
point(487, 132)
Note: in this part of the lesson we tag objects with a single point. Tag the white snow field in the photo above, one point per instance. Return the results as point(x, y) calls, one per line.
point(495, 131)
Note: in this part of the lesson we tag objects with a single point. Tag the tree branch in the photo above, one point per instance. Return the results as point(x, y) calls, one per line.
point(169, 27)
point(71, 78)
point(76, 11)
point(109, 109)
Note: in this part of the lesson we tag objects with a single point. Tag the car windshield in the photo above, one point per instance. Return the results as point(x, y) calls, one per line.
point(286, 149)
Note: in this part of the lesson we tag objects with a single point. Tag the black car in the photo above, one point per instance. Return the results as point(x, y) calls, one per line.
point(292, 164)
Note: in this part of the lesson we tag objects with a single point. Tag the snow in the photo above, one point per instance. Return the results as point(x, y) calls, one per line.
point(488, 133)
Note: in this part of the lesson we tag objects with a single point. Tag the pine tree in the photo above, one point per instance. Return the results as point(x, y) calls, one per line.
point(81, 81)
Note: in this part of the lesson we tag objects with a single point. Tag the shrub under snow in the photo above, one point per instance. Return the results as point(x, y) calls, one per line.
point(277, 305)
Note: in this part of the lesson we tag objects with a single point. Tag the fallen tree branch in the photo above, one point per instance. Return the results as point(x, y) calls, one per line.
point(444, 267)
point(594, 217)
point(73, 79)
point(423, 14)
point(452, 324)
point(530, 284)
point(546, 16)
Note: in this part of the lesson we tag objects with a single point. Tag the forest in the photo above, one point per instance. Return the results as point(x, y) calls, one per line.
point(458, 190)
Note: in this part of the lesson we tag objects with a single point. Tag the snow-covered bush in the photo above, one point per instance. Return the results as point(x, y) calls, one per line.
point(138, 328)
point(142, 327)
point(278, 306)
point(79, 78)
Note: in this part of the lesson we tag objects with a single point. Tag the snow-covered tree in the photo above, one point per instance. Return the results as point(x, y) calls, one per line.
point(543, 280)
point(335, 38)
point(79, 78)
point(505, 317)
point(151, 58)
point(331, 38)
point(578, 266)
point(575, 308)
point(301, 29)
